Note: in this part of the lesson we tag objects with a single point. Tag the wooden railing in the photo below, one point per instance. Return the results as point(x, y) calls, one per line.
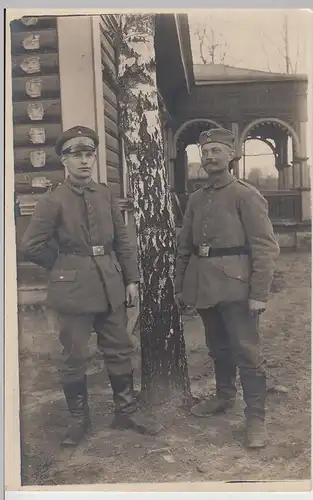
point(284, 205)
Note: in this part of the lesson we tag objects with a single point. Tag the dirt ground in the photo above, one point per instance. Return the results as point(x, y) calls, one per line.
point(188, 449)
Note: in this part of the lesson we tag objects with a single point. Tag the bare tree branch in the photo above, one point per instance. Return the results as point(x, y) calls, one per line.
point(267, 58)
point(201, 37)
point(290, 64)
point(224, 53)
point(275, 45)
point(286, 44)
point(213, 47)
point(297, 55)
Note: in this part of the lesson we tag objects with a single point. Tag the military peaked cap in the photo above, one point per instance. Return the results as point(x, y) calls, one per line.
point(222, 135)
point(76, 139)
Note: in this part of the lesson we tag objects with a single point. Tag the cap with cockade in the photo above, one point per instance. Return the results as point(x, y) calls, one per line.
point(221, 135)
point(76, 139)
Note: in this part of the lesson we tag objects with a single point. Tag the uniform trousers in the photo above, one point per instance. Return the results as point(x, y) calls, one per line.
point(233, 339)
point(113, 341)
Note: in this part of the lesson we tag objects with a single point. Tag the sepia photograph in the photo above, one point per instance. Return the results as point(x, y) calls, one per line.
point(160, 167)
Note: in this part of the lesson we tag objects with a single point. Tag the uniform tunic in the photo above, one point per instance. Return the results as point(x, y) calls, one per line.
point(65, 225)
point(229, 213)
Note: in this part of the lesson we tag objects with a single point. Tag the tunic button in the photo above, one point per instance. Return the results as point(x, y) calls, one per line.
point(61, 277)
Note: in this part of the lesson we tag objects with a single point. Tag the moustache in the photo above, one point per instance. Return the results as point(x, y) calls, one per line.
point(210, 162)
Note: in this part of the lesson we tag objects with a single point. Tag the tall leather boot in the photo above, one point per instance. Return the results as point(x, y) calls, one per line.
point(128, 414)
point(254, 394)
point(77, 401)
point(224, 398)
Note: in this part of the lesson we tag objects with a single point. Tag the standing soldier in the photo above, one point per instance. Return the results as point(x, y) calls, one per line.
point(77, 232)
point(225, 265)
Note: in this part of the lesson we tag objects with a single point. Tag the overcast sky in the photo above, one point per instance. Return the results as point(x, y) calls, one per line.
point(255, 39)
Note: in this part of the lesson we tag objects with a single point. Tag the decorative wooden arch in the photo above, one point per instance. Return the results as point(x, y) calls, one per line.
point(269, 144)
point(184, 126)
point(282, 123)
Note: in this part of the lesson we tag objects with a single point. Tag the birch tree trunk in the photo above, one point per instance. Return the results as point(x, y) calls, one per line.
point(164, 373)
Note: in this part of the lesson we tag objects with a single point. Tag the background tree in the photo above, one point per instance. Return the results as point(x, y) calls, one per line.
point(163, 357)
point(262, 180)
point(210, 43)
point(289, 62)
point(254, 177)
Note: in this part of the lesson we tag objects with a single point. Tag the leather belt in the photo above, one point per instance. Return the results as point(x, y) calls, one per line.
point(93, 251)
point(207, 251)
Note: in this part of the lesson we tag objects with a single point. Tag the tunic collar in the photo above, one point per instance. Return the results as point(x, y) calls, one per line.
point(220, 181)
point(92, 186)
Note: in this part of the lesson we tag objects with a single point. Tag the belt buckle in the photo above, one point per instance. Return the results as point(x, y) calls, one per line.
point(204, 250)
point(98, 250)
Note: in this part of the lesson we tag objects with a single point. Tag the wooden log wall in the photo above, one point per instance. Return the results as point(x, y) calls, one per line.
point(37, 118)
point(108, 30)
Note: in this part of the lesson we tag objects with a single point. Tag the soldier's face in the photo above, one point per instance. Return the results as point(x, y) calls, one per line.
point(216, 157)
point(79, 164)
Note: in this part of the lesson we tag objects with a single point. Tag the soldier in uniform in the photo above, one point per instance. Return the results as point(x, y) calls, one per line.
point(225, 265)
point(77, 232)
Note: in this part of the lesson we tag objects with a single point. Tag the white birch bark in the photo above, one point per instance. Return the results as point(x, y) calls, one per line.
point(164, 366)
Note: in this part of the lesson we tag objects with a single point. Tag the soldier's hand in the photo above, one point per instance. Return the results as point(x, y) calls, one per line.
point(256, 307)
point(132, 295)
point(179, 300)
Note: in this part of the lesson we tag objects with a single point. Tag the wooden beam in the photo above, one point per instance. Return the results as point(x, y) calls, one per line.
point(48, 41)
point(182, 52)
point(48, 87)
point(51, 111)
point(21, 133)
